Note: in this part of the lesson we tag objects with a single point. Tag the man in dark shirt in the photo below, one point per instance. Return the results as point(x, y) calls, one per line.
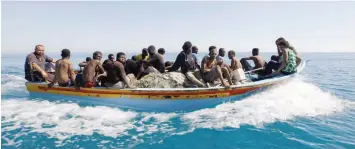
point(34, 66)
point(155, 59)
point(110, 60)
point(186, 62)
point(116, 75)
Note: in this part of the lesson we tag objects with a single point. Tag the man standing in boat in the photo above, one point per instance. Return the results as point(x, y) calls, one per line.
point(34, 66)
point(64, 72)
point(92, 69)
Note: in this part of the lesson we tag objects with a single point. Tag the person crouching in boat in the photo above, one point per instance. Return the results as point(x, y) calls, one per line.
point(237, 74)
point(116, 75)
point(210, 70)
point(92, 70)
point(64, 72)
point(34, 66)
point(186, 62)
point(287, 65)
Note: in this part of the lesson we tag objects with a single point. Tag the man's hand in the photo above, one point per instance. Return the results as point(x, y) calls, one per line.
point(44, 74)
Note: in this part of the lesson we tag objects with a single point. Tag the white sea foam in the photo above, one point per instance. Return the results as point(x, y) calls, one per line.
point(283, 102)
point(64, 120)
point(11, 83)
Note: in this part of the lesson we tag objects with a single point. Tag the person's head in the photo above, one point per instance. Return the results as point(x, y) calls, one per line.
point(194, 49)
point(219, 60)
point(222, 52)
point(213, 51)
point(39, 50)
point(151, 50)
point(65, 53)
point(97, 55)
point(279, 40)
point(134, 57)
point(187, 47)
point(168, 63)
point(161, 51)
point(121, 57)
point(283, 44)
point(88, 59)
point(231, 54)
point(111, 57)
point(274, 58)
point(144, 52)
point(255, 51)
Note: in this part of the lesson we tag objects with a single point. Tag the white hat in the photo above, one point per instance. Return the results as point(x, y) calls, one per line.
point(49, 67)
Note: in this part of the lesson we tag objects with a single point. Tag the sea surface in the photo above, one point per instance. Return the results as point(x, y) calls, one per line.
point(312, 111)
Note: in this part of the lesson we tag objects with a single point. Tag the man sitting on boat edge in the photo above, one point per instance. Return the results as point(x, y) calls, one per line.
point(92, 71)
point(34, 66)
point(116, 74)
point(64, 72)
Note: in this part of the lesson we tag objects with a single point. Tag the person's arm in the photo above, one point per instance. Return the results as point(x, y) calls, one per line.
point(284, 62)
point(161, 61)
point(55, 78)
point(177, 63)
point(49, 59)
point(247, 58)
point(82, 64)
point(203, 66)
point(298, 60)
point(72, 73)
point(123, 75)
point(102, 70)
point(37, 68)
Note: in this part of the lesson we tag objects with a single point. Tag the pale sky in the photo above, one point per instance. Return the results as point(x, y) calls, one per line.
point(131, 26)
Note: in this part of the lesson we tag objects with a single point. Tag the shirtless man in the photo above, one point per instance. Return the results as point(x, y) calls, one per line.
point(257, 59)
point(237, 73)
point(210, 70)
point(90, 74)
point(64, 72)
point(156, 60)
point(116, 75)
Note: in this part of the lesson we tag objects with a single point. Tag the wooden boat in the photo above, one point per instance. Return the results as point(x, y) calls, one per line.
point(156, 99)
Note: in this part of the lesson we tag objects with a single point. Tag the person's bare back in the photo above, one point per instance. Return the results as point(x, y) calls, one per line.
point(89, 72)
point(235, 64)
point(258, 61)
point(64, 71)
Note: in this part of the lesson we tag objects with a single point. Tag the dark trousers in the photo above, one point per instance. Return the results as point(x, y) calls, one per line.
point(270, 66)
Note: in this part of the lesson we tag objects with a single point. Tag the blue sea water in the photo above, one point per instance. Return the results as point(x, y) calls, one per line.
point(314, 110)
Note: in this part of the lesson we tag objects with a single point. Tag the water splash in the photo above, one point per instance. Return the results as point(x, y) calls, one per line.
point(280, 103)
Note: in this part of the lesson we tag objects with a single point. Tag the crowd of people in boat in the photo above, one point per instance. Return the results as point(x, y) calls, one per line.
point(120, 72)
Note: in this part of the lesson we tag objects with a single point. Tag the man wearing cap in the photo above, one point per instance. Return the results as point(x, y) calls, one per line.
point(34, 66)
